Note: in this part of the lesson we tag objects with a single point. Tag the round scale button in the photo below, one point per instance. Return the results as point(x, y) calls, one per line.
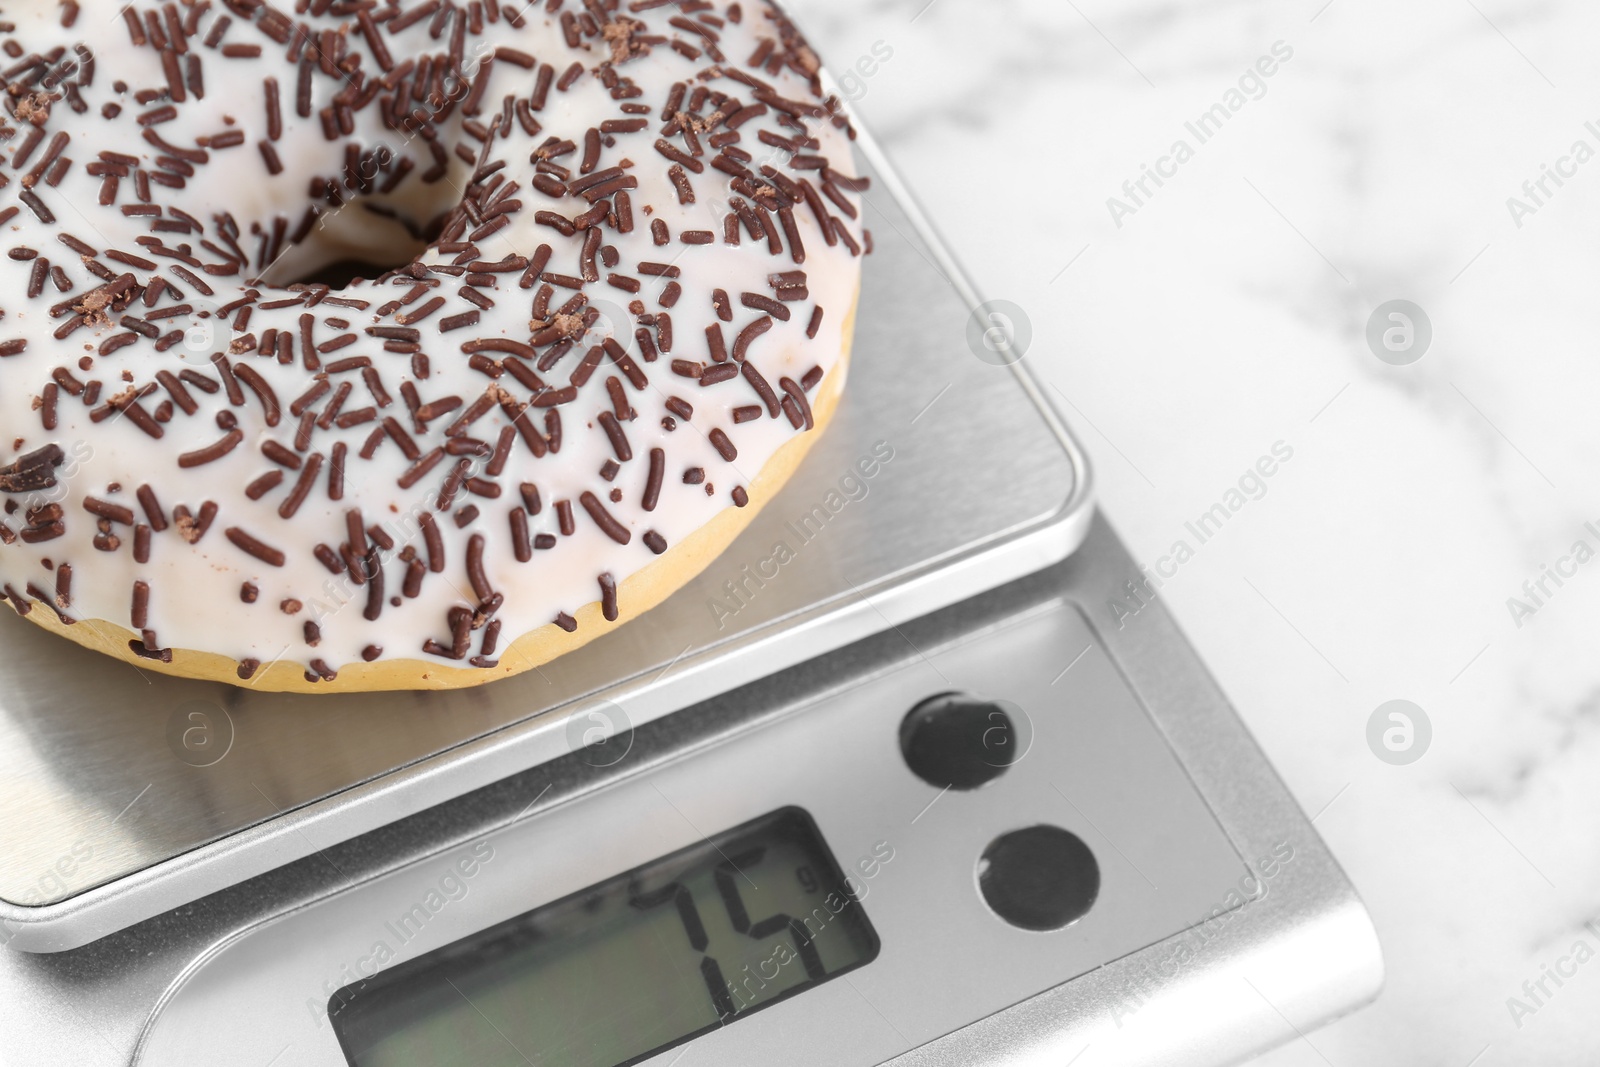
point(1039, 878)
point(957, 741)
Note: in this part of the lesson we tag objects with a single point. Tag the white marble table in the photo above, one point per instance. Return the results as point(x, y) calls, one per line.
point(1226, 314)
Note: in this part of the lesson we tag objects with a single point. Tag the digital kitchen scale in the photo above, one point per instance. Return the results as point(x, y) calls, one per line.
point(913, 795)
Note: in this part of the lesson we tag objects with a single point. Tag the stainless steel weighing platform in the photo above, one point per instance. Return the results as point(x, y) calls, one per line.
point(187, 871)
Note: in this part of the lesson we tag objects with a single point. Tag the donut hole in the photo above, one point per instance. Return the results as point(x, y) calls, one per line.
point(353, 243)
point(343, 272)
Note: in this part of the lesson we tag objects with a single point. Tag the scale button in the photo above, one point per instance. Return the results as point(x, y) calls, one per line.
point(956, 741)
point(1039, 878)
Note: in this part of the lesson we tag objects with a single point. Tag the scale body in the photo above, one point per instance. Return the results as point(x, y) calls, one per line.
point(171, 903)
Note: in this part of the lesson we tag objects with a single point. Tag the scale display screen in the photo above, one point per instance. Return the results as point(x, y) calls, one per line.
point(627, 968)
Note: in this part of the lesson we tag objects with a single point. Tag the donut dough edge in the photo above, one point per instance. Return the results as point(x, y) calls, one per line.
point(636, 595)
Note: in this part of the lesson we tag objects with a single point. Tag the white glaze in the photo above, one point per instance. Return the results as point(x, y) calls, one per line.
point(195, 602)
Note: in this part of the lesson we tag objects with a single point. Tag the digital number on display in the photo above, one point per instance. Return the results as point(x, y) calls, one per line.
point(621, 971)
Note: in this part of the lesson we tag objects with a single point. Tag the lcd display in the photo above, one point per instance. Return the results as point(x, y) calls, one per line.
point(627, 968)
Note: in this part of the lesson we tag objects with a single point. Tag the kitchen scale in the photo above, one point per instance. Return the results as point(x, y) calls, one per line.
point(912, 795)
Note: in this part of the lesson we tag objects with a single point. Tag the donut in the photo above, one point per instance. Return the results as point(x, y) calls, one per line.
point(353, 345)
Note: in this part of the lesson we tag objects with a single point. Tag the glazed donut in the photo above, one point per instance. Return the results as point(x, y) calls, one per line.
point(403, 344)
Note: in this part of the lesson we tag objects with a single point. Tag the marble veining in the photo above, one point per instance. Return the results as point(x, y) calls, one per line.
point(1228, 313)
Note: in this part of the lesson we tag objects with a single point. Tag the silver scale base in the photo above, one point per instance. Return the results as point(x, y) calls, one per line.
point(160, 912)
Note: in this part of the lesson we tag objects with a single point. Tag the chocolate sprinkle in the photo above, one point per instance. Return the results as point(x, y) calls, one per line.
point(244, 541)
point(724, 447)
point(604, 519)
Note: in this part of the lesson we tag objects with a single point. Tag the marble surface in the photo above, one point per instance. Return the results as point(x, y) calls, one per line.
point(1227, 313)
